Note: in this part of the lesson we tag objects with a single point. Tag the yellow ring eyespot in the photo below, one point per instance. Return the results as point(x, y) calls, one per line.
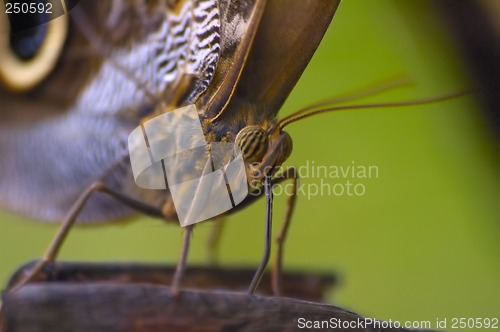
point(27, 57)
point(252, 141)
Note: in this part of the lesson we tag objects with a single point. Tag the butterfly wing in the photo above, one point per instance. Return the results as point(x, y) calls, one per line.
point(120, 59)
point(288, 35)
point(239, 24)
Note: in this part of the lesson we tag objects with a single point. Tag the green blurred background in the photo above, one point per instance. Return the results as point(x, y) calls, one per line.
point(421, 244)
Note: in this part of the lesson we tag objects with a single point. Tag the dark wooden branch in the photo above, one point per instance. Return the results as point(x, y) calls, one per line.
point(121, 298)
point(305, 286)
point(105, 307)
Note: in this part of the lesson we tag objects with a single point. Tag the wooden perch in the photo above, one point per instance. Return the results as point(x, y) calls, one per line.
point(305, 286)
point(104, 307)
point(103, 299)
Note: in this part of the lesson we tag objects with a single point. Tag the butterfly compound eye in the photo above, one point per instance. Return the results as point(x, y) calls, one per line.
point(252, 141)
point(32, 36)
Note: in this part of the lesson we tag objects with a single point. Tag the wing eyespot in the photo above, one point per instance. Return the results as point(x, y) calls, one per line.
point(30, 46)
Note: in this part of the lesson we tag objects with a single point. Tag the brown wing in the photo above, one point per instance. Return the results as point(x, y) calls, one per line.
point(288, 36)
point(285, 39)
point(239, 24)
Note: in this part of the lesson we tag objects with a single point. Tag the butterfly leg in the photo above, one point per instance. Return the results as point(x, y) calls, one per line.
point(181, 264)
point(268, 186)
point(290, 173)
point(70, 219)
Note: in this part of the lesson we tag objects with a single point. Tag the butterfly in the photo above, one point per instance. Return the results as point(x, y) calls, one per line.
point(73, 89)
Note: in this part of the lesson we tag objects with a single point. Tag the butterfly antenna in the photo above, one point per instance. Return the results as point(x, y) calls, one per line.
point(312, 112)
point(374, 89)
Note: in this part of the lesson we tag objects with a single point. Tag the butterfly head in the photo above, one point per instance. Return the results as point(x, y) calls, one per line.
point(263, 150)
